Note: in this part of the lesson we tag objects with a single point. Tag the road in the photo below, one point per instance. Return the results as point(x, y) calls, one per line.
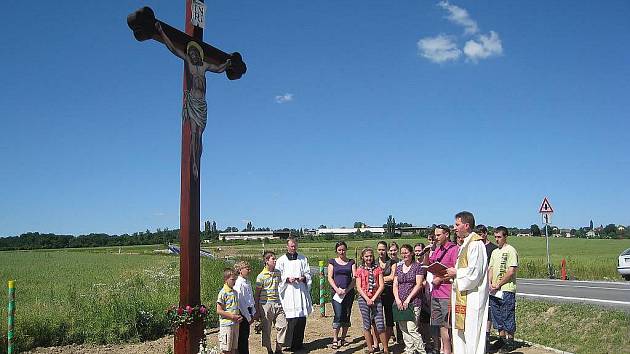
point(609, 294)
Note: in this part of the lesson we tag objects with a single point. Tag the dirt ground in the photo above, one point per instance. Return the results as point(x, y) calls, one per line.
point(317, 339)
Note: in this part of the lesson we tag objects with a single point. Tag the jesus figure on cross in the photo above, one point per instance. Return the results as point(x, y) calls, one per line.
point(195, 106)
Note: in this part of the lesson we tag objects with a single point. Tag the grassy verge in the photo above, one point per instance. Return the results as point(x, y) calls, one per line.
point(576, 328)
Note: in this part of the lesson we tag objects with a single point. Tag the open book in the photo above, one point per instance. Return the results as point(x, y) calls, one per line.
point(436, 268)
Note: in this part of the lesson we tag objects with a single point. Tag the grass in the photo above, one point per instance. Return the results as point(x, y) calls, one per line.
point(586, 259)
point(65, 297)
point(574, 328)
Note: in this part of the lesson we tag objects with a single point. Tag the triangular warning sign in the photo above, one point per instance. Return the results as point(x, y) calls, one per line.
point(545, 207)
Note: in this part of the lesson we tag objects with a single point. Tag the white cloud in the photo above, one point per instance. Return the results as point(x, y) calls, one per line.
point(439, 49)
point(460, 16)
point(287, 97)
point(484, 47)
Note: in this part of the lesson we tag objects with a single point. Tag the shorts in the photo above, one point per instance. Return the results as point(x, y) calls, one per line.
point(371, 314)
point(503, 312)
point(228, 338)
point(440, 310)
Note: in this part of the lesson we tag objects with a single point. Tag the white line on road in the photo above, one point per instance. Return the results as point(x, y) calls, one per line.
point(575, 298)
point(573, 286)
point(577, 281)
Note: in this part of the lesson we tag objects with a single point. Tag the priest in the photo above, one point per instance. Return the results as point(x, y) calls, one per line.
point(295, 294)
point(469, 294)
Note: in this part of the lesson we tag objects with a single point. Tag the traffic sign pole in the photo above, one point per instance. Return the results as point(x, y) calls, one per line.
point(546, 211)
point(548, 258)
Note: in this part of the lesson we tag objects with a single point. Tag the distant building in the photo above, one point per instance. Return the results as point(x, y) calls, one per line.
point(523, 234)
point(410, 230)
point(310, 232)
point(346, 232)
point(591, 234)
point(565, 233)
point(253, 235)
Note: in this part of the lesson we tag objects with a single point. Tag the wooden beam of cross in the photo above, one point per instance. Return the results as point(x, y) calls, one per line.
point(198, 58)
point(143, 25)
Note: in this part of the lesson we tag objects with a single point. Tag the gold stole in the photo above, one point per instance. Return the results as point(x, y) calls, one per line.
point(460, 296)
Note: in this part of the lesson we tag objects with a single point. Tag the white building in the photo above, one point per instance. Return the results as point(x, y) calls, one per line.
point(346, 232)
point(248, 235)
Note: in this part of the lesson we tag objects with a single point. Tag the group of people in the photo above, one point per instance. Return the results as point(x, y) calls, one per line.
point(442, 297)
point(281, 300)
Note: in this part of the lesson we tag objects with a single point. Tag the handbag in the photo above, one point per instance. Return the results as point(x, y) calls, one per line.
point(403, 315)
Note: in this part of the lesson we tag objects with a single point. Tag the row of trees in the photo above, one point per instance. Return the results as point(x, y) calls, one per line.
point(35, 240)
point(608, 231)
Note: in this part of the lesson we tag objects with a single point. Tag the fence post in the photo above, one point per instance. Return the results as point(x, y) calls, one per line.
point(322, 301)
point(10, 319)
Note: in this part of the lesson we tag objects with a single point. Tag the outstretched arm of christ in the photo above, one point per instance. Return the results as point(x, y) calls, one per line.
point(218, 68)
point(168, 42)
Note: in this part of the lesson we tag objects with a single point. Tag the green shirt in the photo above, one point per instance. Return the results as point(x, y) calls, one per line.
point(227, 298)
point(501, 259)
point(268, 283)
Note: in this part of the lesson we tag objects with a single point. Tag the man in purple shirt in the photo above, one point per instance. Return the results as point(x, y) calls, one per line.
point(445, 253)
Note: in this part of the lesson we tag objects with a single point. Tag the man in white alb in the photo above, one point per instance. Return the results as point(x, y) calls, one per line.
point(295, 294)
point(469, 295)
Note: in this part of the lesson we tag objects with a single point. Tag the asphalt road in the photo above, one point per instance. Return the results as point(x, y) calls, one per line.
point(609, 294)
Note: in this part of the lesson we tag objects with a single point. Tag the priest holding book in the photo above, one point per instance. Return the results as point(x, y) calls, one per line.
point(470, 289)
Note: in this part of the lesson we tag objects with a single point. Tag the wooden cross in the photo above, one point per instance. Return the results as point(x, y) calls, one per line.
point(198, 57)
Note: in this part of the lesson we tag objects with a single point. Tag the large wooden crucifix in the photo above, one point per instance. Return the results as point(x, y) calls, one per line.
point(198, 58)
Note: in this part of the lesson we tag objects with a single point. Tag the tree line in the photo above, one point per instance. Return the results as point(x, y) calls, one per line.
point(35, 240)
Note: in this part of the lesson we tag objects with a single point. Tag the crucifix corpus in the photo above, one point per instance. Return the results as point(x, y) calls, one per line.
point(198, 58)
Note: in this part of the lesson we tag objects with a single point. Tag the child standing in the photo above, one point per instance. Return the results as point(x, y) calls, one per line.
point(370, 285)
point(245, 304)
point(229, 318)
point(269, 308)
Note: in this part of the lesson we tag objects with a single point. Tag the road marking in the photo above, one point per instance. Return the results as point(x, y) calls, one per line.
point(573, 286)
point(578, 281)
point(575, 298)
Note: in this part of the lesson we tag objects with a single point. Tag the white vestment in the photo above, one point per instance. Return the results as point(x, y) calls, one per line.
point(474, 280)
point(295, 297)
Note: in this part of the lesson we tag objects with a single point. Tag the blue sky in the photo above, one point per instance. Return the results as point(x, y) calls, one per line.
point(350, 111)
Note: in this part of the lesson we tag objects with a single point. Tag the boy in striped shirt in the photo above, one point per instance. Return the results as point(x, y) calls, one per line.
point(268, 304)
point(229, 317)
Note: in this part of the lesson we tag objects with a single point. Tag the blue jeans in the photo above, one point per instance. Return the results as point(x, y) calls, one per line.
point(503, 312)
point(342, 310)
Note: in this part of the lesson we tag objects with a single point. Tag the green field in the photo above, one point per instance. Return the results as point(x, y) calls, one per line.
point(120, 294)
point(586, 259)
point(95, 295)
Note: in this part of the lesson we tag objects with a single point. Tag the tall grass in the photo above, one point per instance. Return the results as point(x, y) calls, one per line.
point(78, 297)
